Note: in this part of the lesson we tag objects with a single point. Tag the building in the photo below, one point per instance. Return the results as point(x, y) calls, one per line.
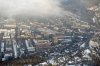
point(42, 44)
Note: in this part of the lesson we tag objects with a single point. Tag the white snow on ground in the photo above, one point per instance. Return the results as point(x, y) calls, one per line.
point(93, 44)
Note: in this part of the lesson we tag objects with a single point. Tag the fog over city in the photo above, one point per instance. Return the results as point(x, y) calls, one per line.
point(10, 8)
point(30, 7)
point(35, 7)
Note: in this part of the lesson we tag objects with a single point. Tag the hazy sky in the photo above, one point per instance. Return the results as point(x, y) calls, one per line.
point(30, 7)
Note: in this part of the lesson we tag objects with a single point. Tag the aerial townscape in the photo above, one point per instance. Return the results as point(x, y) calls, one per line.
point(68, 39)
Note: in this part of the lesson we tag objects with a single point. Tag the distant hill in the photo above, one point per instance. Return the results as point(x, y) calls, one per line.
point(90, 3)
point(77, 7)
